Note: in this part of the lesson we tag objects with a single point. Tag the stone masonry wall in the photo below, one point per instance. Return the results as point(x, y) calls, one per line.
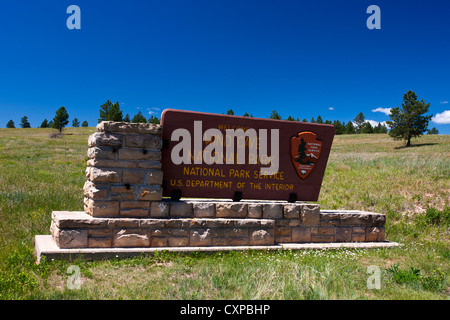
point(124, 206)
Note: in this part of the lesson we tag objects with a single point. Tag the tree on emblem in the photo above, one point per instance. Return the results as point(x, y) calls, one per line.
point(301, 151)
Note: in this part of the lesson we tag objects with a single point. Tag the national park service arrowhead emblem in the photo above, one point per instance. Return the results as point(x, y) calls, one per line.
point(305, 152)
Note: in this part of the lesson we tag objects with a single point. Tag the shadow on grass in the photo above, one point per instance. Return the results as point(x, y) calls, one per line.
point(416, 145)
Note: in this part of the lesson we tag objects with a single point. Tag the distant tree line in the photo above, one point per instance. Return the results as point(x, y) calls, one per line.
point(59, 121)
point(108, 112)
point(358, 125)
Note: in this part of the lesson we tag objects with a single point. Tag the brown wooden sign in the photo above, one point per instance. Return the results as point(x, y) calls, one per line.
point(220, 156)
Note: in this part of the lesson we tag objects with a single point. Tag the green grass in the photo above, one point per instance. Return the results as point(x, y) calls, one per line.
point(367, 172)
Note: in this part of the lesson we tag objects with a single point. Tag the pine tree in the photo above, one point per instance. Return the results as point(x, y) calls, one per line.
point(61, 119)
point(410, 121)
point(246, 115)
point(44, 124)
point(349, 128)
point(290, 118)
point(10, 124)
point(275, 115)
point(304, 120)
point(110, 112)
point(230, 112)
point(301, 151)
point(433, 131)
point(85, 124)
point(24, 122)
point(359, 122)
point(127, 118)
point(319, 119)
point(75, 123)
point(313, 120)
point(139, 118)
point(153, 119)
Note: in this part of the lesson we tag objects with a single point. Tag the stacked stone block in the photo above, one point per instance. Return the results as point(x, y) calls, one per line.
point(124, 170)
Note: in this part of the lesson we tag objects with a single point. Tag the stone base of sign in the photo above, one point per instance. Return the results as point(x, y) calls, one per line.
point(215, 223)
point(46, 247)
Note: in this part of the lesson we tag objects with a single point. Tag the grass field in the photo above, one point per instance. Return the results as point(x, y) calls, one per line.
point(369, 172)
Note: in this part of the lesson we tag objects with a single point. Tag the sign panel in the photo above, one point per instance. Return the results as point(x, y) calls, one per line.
point(220, 156)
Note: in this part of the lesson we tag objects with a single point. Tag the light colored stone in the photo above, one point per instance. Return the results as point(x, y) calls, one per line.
point(231, 210)
point(129, 128)
point(90, 191)
point(105, 139)
point(105, 175)
point(104, 153)
point(131, 238)
point(200, 237)
point(100, 208)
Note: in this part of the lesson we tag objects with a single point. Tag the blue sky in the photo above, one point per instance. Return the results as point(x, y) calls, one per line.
point(301, 58)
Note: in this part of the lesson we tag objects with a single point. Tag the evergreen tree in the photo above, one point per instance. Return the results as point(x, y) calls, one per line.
point(75, 123)
point(61, 119)
point(24, 122)
point(313, 120)
point(319, 119)
point(339, 128)
point(359, 122)
point(290, 118)
point(10, 124)
point(433, 131)
point(127, 118)
point(246, 115)
point(349, 128)
point(153, 119)
point(411, 120)
point(85, 124)
point(366, 128)
point(275, 115)
point(230, 112)
point(139, 118)
point(304, 120)
point(44, 124)
point(110, 112)
point(328, 122)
